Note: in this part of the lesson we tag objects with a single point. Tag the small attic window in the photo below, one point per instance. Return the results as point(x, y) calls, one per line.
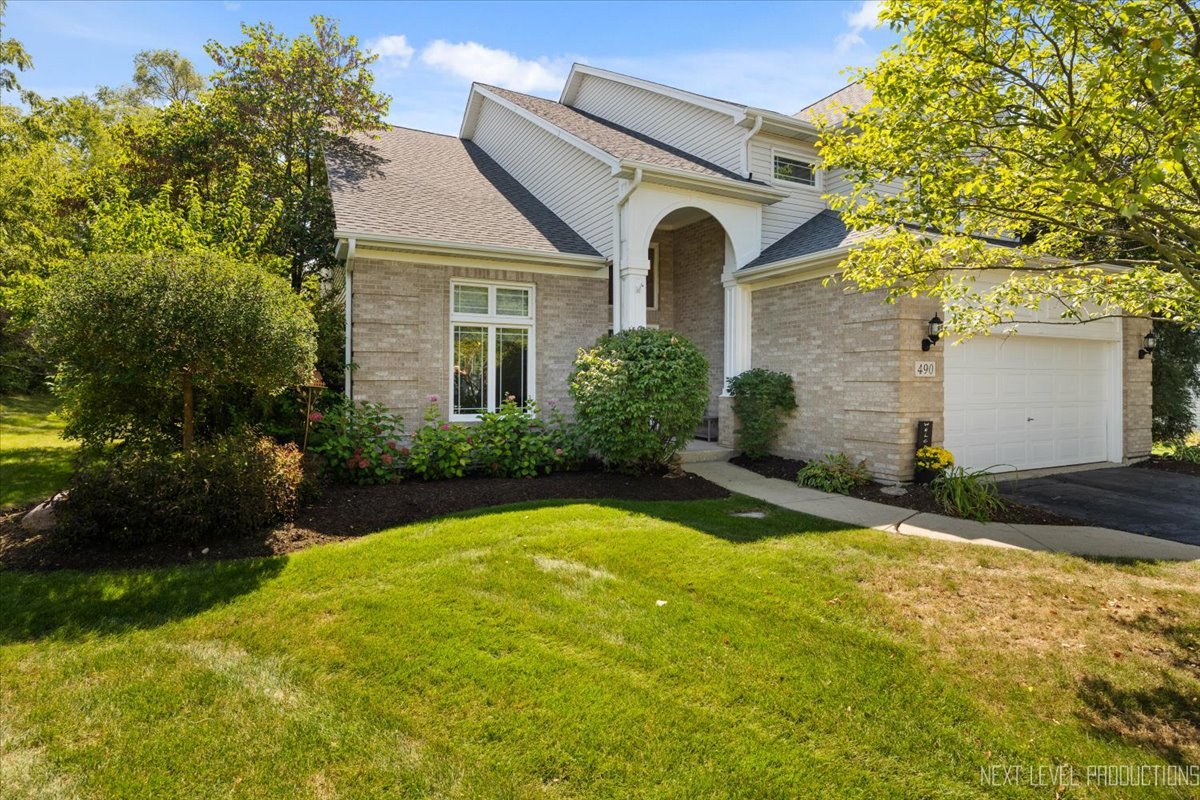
point(795, 170)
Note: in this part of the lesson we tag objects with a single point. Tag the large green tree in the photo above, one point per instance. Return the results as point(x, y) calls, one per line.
point(141, 341)
point(1066, 127)
point(285, 101)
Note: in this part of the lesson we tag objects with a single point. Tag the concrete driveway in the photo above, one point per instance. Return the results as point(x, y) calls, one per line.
point(1153, 502)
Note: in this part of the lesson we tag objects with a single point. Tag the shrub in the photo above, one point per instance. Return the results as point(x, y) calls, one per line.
point(968, 494)
point(639, 396)
point(834, 473)
point(439, 449)
point(236, 484)
point(759, 397)
point(513, 442)
point(360, 444)
point(149, 347)
point(1187, 452)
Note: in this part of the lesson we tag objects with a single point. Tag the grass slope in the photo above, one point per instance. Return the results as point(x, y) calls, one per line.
point(527, 652)
point(35, 461)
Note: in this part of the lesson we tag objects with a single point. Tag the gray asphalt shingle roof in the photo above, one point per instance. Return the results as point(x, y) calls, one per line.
point(422, 185)
point(854, 96)
point(614, 139)
point(825, 231)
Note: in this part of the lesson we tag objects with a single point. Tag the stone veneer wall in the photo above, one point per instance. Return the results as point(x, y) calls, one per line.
point(401, 334)
point(1138, 397)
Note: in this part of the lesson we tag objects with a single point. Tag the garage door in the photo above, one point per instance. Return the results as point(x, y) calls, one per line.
point(1027, 402)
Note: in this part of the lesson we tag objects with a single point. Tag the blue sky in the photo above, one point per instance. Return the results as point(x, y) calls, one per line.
point(775, 55)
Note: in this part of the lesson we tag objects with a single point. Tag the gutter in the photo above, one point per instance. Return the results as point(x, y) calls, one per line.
point(348, 301)
point(758, 121)
point(496, 252)
point(616, 267)
point(684, 179)
point(812, 261)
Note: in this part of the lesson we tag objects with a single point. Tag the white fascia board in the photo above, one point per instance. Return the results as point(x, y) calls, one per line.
point(654, 173)
point(800, 268)
point(781, 124)
point(710, 103)
point(547, 126)
point(494, 252)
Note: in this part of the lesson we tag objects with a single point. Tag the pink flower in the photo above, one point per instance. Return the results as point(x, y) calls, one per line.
point(558, 451)
point(433, 398)
point(445, 426)
point(404, 451)
point(358, 452)
point(315, 416)
point(351, 463)
point(392, 444)
point(552, 403)
point(363, 463)
point(387, 458)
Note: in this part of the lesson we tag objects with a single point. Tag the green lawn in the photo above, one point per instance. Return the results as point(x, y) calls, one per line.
point(35, 461)
point(526, 652)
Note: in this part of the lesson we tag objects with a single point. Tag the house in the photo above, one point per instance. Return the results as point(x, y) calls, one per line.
point(477, 265)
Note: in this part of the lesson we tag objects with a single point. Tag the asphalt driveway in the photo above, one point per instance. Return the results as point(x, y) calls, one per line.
point(1148, 501)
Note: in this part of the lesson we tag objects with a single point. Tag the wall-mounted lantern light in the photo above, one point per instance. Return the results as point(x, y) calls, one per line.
point(1149, 342)
point(935, 333)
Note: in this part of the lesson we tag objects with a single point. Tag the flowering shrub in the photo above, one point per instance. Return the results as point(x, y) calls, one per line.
point(936, 459)
point(513, 442)
point(439, 449)
point(360, 444)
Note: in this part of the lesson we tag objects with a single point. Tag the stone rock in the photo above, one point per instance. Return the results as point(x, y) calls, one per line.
point(41, 517)
point(894, 491)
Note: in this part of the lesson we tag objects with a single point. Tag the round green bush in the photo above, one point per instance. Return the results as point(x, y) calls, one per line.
point(639, 396)
point(760, 396)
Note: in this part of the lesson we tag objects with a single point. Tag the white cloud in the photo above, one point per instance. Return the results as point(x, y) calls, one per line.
point(866, 17)
point(394, 51)
point(472, 61)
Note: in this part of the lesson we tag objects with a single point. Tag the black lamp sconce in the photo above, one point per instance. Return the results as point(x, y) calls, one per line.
point(1149, 342)
point(935, 333)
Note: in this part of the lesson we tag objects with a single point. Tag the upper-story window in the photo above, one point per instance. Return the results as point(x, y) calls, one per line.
point(492, 352)
point(795, 170)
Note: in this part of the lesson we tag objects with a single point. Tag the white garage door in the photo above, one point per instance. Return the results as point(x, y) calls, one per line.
point(1027, 402)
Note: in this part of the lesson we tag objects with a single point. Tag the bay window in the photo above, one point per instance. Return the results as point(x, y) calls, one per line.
point(492, 346)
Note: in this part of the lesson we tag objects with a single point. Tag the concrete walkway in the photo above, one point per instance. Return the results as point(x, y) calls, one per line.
point(1086, 541)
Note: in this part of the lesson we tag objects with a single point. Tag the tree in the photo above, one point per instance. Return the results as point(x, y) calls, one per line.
point(1176, 382)
point(287, 100)
point(13, 58)
point(139, 340)
point(1065, 127)
point(164, 76)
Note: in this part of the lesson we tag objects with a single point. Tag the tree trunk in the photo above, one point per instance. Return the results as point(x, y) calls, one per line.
point(188, 421)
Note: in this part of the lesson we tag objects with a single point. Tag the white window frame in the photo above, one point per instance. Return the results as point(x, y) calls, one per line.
point(492, 321)
point(793, 155)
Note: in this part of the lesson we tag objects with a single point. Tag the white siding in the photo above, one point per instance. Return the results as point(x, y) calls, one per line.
point(574, 185)
point(702, 132)
point(804, 203)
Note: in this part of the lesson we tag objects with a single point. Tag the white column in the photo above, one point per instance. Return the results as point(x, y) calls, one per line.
point(737, 331)
point(634, 274)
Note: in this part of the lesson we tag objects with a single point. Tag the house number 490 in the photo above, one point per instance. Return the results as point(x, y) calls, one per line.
point(926, 369)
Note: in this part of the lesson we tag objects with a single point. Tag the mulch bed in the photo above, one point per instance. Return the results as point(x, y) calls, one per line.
point(918, 498)
point(346, 513)
point(1169, 465)
point(784, 469)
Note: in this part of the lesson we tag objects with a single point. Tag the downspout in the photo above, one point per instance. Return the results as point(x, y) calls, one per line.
point(348, 300)
point(758, 121)
point(618, 260)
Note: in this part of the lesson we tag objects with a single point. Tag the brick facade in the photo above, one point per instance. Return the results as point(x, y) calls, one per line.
point(1137, 394)
point(401, 330)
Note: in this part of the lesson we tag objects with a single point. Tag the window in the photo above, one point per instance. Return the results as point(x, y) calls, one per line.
point(795, 170)
point(651, 280)
point(492, 352)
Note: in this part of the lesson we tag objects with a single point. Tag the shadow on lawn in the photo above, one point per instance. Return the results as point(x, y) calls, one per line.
point(75, 605)
point(1164, 718)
